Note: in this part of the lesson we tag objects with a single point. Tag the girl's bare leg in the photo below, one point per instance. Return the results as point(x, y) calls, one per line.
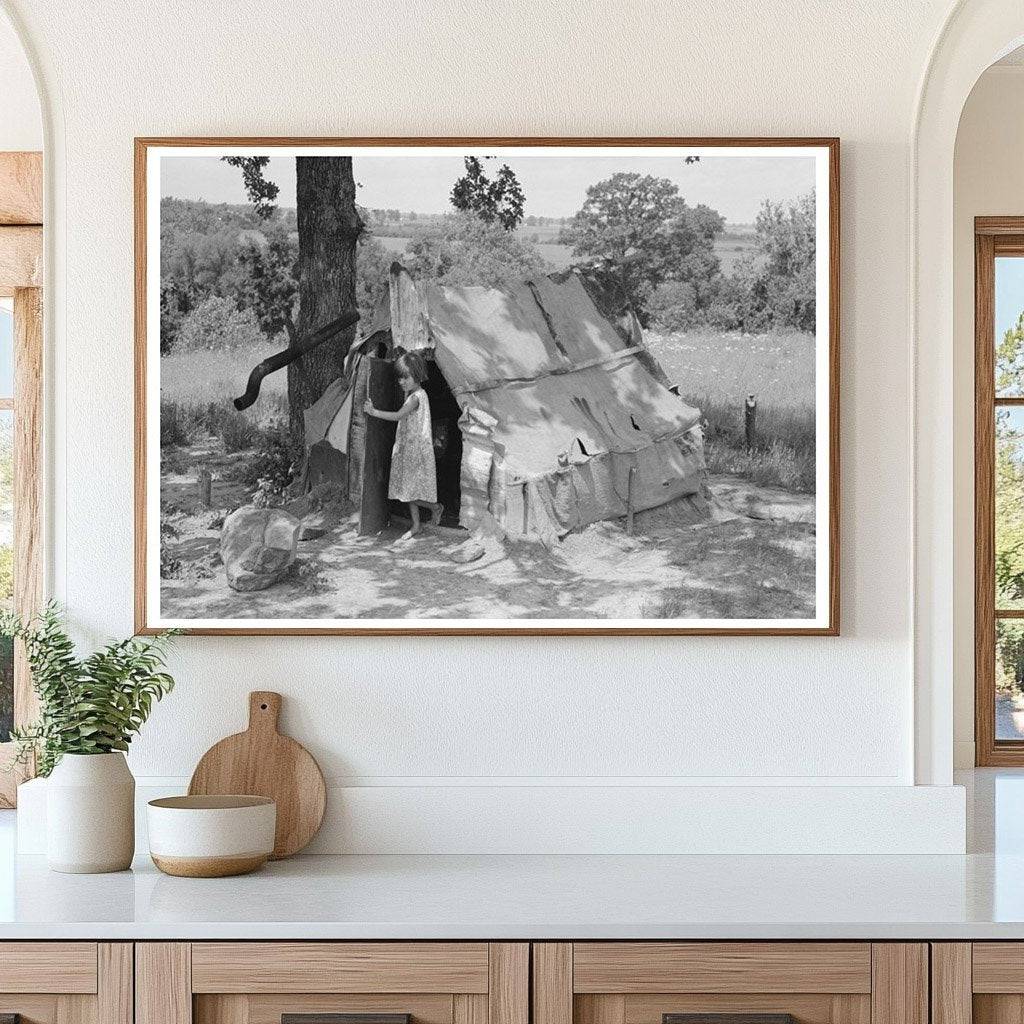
point(414, 514)
point(436, 511)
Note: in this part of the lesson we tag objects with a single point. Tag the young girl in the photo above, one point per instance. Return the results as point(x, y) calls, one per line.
point(413, 477)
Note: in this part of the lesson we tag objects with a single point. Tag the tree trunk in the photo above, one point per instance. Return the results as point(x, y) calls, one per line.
point(329, 227)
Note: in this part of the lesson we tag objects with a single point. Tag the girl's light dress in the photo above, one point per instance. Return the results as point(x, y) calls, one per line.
point(413, 477)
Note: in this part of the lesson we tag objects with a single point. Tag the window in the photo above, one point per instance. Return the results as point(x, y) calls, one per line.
point(999, 490)
point(21, 366)
point(6, 510)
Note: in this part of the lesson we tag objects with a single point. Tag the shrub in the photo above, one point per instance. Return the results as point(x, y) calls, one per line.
point(673, 307)
point(6, 573)
point(276, 459)
point(218, 323)
point(170, 565)
point(772, 288)
point(179, 424)
point(6, 687)
point(239, 433)
point(236, 430)
point(183, 424)
point(373, 262)
point(465, 250)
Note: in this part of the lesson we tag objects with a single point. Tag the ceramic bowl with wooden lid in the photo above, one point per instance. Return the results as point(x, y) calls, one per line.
point(211, 836)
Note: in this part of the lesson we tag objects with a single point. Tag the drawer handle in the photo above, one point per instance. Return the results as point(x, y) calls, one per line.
point(728, 1018)
point(340, 1018)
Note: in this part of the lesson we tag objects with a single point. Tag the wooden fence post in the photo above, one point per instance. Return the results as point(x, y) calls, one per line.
point(630, 487)
point(205, 487)
point(750, 420)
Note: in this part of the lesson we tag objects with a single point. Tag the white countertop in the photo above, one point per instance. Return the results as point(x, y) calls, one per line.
point(978, 896)
point(532, 897)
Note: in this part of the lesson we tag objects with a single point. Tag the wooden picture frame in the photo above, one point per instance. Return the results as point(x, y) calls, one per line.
point(825, 621)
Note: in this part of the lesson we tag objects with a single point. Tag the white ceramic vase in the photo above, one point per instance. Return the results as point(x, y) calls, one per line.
point(90, 814)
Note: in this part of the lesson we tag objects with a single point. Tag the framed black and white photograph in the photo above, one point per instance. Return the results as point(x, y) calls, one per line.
point(487, 386)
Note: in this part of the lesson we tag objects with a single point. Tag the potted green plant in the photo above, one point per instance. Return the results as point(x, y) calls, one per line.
point(89, 710)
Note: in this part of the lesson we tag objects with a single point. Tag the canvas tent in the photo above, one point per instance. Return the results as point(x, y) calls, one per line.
point(541, 409)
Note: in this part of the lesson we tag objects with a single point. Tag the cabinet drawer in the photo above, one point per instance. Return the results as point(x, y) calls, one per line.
point(751, 982)
point(340, 967)
point(998, 967)
point(262, 982)
point(48, 967)
point(634, 967)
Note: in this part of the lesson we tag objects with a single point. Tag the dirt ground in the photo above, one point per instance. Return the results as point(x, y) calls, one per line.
point(754, 558)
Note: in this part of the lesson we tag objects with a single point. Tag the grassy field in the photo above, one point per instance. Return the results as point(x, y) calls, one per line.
point(196, 392)
point(202, 383)
point(729, 247)
point(716, 371)
point(201, 376)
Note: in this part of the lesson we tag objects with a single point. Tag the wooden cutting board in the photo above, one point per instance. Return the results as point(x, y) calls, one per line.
point(262, 762)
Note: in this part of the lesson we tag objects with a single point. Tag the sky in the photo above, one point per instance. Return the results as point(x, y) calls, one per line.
point(1009, 293)
point(6, 349)
point(555, 186)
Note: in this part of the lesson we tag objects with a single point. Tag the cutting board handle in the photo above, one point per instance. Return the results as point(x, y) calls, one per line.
point(264, 710)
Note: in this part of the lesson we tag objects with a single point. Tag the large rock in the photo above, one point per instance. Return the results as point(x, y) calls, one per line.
point(257, 546)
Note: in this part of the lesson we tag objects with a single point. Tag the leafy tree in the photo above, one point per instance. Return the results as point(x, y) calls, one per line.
point(499, 200)
point(781, 276)
point(1010, 360)
point(637, 231)
point(198, 257)
point(270, 285)
point(673, 306)
point(260, 191)
point(1009, 510)
point(1010, 660)
point(469, 251)
point(174, 304)
point(329, 226)
point(373, 263)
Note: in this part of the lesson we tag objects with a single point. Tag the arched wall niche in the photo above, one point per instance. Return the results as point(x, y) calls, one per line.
point(976, 33)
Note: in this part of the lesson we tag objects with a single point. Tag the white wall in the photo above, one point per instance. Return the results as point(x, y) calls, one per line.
point(443, 713)
point(21, 125)
point(988, 181)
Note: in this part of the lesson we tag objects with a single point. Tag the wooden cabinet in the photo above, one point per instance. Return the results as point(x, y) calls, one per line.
point(260, 982)
point(494, 983)
point(66, 982)
point(815, 982)
point(980, 982)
